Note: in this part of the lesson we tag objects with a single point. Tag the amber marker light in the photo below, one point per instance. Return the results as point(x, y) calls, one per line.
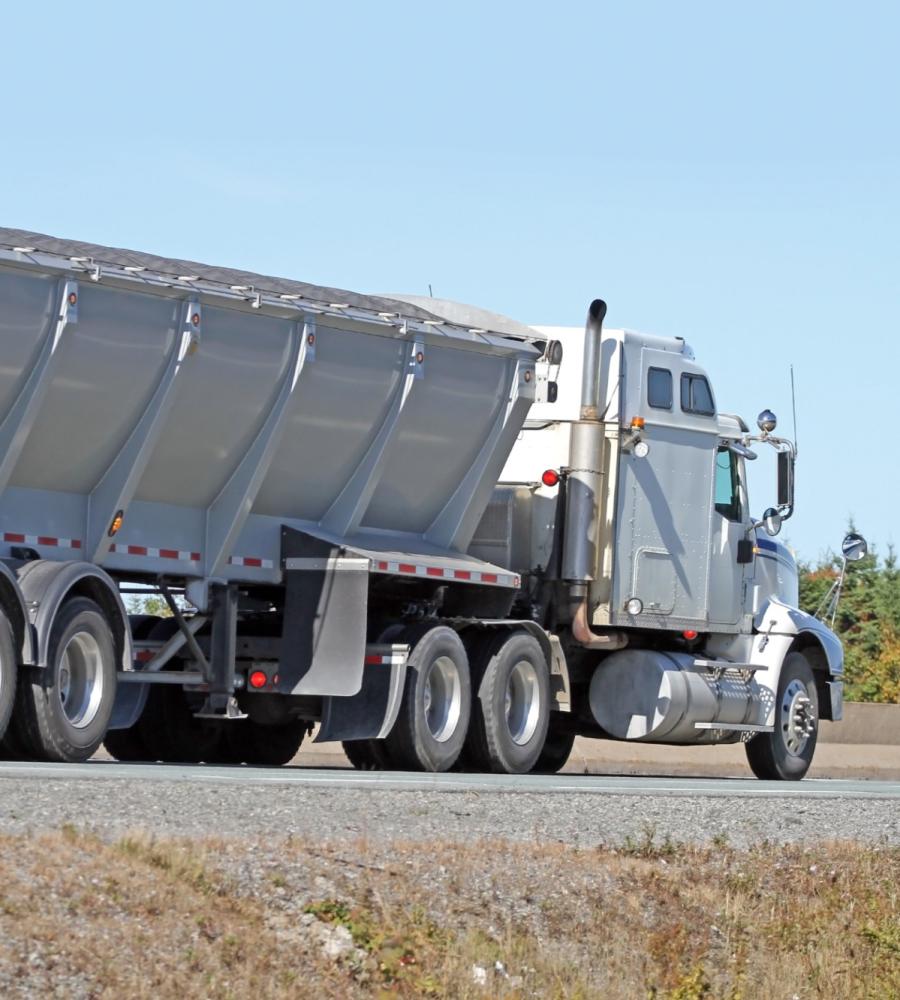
point(116, 523)
point(637, 423)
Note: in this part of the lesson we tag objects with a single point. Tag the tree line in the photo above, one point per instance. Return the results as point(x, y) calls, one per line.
point(867, 621)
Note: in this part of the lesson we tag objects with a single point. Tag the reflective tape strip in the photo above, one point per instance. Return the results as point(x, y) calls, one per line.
point(251, 562)
point(447, 573)
point(47, 540)
point(142, 550)
point(384, 659)
point(330, 565)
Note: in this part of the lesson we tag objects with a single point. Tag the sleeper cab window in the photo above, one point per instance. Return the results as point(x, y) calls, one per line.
point(659, 388)
point(696, 395)
point(728, 488)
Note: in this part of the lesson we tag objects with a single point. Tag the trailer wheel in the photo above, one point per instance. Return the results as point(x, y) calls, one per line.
point(437, 702)
point(367, 755)
point(252, 743)
point(63, 709)
point(557, 749)
point(786, 753)
point(8, 670)
point(511, 712)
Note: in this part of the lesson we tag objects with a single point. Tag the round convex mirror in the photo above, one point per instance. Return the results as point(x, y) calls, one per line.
point(772, 521)
point(854, 547)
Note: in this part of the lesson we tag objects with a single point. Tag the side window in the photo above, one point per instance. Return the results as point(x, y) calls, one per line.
point(728, 495)
point(659, 388)
point(696, 395)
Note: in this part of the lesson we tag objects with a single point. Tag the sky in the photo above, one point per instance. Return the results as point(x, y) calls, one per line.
point(725, 173)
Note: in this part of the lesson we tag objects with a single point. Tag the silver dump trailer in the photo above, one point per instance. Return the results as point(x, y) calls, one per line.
point(299, 473)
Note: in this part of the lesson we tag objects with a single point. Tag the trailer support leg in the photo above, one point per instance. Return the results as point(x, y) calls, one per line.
point(220, 701)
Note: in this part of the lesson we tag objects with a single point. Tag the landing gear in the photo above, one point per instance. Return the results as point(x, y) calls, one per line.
point(786, 753)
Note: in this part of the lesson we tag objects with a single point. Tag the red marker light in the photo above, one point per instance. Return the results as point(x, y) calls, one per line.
point(258, 679)
point(550, 477)
point(689, 634)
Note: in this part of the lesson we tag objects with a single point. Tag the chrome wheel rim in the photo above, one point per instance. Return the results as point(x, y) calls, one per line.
point(798, 720)
point(80, 680)
point(523, 702)
point(442, 698)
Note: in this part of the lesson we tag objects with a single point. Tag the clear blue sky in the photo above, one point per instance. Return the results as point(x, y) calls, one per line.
point(726, 174)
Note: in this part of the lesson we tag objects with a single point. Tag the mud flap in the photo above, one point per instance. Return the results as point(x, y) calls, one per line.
point(323, 642)
point(372, 712)
point(128, 706)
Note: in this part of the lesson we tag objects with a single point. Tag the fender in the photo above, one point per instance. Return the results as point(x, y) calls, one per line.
point(14, 604)
point(45, 585)
point(777, 618)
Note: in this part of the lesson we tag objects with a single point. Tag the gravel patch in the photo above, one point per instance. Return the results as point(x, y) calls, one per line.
point(112, 807)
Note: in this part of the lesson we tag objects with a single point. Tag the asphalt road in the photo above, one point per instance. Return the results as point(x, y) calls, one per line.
point(244, 805)
point(567, 784)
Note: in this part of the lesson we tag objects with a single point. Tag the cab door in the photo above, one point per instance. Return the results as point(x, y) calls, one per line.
point(730, 520)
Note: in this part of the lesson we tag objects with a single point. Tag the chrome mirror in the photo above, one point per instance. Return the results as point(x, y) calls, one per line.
point(772, 521)
point(854, 547)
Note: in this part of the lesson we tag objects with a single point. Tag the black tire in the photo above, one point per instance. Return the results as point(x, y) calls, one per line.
point(9, 668)
point(65, 720)
point(367, 755)
point(557, 748)
point(437, 702)
point(252, 743)
point(782, 755)
point(511, 711)
point(126, 744)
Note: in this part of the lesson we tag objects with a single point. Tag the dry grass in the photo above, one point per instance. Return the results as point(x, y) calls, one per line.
point(141, 918)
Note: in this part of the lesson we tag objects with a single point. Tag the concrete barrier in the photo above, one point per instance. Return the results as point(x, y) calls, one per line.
point(864, 723)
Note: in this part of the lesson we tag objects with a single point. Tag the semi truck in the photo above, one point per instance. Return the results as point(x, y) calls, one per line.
point(440, 536)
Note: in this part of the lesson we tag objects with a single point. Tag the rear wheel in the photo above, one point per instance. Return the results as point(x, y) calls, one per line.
point(511, 712)
point(786, 753)
point(251, 742)
point(65, 707)
point(437, 701)
point(8, 669)
point(557, 749)
point(367, 755)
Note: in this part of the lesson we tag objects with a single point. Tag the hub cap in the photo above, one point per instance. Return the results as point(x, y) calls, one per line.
point(80, 679)
point(443, 698)
point(523, 702)
point(798, 721)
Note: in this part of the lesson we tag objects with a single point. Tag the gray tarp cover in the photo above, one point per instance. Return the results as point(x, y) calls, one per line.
point(176, 268)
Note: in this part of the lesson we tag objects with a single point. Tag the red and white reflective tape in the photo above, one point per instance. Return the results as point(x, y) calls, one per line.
point(251, 562)
point(45, 540)
point(385, 659)
point(142, 550)
point(447, 573)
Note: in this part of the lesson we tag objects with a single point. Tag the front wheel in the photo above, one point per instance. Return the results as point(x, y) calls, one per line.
point(63, 709)
point(786, 753)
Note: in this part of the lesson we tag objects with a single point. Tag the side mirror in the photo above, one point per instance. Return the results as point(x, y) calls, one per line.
point(767, 421)
point(772, 521)
point(854, 547)
point(785, 479)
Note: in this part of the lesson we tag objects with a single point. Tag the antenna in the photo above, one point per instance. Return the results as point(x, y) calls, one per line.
point(430, 292)
point(794, 406)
